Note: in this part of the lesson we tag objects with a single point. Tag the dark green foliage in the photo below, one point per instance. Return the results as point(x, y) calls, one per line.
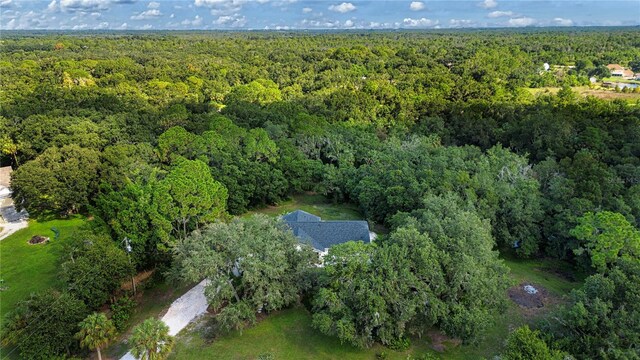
point(436, 268)
point(135, 212)
point(60, 180)
point(525, 344)
point(499, 184)
point(121, 311)
point(601, 320)
point(605, 237)
point(253, 265)
point(44, 326)
point(94, 267)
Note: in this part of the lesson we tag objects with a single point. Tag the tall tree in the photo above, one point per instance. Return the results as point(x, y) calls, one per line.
point(606, 236)
point(96, 331)
point(60, 179)
point(54, 337)
point(194, 197)
point(94, 267)
point(151, 340)
point(253, 265)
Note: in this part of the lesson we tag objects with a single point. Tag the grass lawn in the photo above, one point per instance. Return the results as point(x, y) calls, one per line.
point(315, 204)
point(288, 333)
point(31, 268)
point(285, 335)
point(584, 91)
point(620, 80)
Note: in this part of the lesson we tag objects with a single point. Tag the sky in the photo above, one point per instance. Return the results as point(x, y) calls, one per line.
point(303, 14)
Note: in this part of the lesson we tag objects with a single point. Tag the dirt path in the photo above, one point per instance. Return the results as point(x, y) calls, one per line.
point(183, 311)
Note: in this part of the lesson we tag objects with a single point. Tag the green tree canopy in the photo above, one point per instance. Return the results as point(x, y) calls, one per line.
point(96, 331)
point(44, 325)
point(253, 265)
point(150, 340)
point(605, 237)
point(94, 267)
point(60, 180)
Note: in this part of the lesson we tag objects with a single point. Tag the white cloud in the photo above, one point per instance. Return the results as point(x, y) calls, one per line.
point(307, 10)
point(345, 7)
point(124, 25)
point(416, 6)
point(145, 27)
point(5, 3)
point(521, 21)
point(53, 6)
point(348, 23)
point(197, 21)
point(10, 25)
point(497, 14)
point(422, 22)
point(563, 22)
point(148, 14)
point(489, 4)
point(234, 20)
point(221, 7)
point(153, 5)
point(172, 16)
point(84, 5)
point(461, 23)
point(216, 3)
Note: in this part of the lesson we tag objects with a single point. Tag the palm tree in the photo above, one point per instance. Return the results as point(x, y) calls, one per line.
point(151, 340)
point(96, 331)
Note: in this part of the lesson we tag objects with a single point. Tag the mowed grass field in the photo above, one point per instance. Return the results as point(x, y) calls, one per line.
point(288, 334)
point(315, 204)
point(584, 91)
point(284, 335)
point(27, 268)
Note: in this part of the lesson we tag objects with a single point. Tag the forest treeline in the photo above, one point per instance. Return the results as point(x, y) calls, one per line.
point(433, 135)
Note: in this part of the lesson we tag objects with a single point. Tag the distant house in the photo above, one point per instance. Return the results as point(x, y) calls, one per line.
point(613, 67)
point(619, 71)
point(322, 235)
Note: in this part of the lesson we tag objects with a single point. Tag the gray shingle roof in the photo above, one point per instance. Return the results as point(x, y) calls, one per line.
point(324, 234)
point(300, 216)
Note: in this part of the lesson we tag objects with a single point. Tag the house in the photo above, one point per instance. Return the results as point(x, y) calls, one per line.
point(322, 235)
point(614, 67)
point(619, 71)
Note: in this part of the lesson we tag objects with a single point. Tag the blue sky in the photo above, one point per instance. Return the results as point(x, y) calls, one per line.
point(301, 14)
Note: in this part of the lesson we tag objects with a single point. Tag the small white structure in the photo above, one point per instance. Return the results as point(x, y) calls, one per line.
point(530, 290)
point(546, 66)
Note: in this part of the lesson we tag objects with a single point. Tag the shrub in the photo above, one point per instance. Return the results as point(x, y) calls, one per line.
point(400, 344)
point(121, 311)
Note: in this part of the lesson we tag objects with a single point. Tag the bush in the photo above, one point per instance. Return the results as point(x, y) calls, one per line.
point(44, 325)
point(400, 344)
point(121, 311)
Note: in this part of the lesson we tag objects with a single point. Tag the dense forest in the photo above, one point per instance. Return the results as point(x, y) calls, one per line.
point(163, 137)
